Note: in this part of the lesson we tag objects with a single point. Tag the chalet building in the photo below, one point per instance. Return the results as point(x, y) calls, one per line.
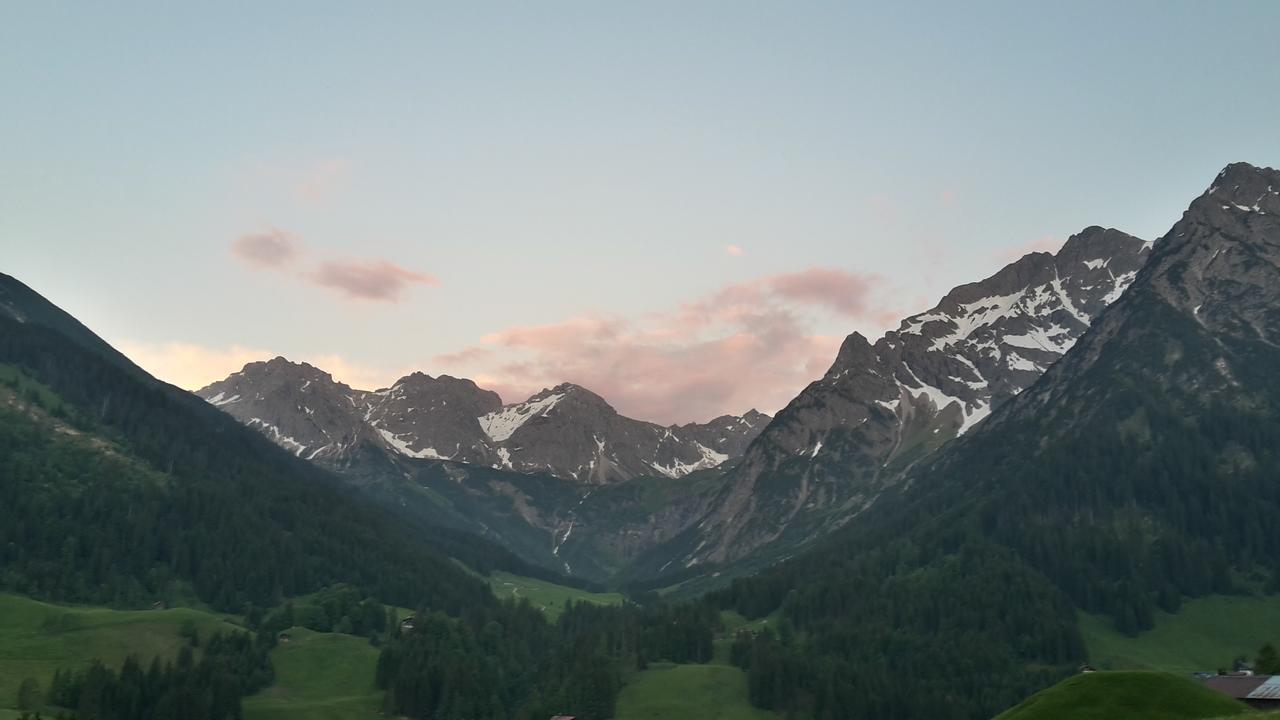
point(1261, 692)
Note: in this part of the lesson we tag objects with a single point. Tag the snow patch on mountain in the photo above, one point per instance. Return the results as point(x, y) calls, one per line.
point(402, 447)
point(504, 423)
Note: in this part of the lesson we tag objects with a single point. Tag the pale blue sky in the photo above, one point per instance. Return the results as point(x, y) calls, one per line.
point(550, 161)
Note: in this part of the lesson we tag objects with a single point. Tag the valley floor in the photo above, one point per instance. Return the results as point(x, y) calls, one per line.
point(329, 676)
point(1205, 635)
point(319, 676)
point(714, 691)
point(37, 638)
point(546, 596)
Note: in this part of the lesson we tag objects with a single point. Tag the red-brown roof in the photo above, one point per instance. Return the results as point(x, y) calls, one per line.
point(1236, 686)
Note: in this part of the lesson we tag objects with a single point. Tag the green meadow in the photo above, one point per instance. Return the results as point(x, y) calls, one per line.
point(37, 638)
point(547, 596)
point(1127, 695)
point(320, 676)
point(1205, 635)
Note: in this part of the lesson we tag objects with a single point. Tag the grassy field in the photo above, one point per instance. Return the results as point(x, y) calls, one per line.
point(688, 692)
point(37, 638)
point(733, 622)
point(1126, 695)
point(548, 596)
point(715, 691)
point(320, 676)
point(1204, 636)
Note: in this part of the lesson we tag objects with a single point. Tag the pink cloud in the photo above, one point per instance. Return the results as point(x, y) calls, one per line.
point(947, 198)
point(377, 280)
point(745, 345)
point(734, 250)
point(846, 293)
point(361, 279)
point(274, 248)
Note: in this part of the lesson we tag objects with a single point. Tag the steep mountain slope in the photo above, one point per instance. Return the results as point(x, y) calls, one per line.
point(24, 305)
point(1137, 471)
point(120, 488)
point(882, 407)
point(562, 480)
point(567, 431)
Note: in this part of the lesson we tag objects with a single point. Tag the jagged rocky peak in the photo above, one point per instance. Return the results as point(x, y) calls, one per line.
point(1196, 332)
point(433, 417)
point(277, 376)
point(986, 341)
point(727, 435)
point(1243, 187)
point(299, 406)
point(566, 431)
point(884, 405)
point(1217, 263)
point(421, 391)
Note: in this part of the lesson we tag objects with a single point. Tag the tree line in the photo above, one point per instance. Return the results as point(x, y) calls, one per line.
point(507, 662)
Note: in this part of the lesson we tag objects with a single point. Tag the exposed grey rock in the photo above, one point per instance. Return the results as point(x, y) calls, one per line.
point(298, 406)
point(567, 431)
point(883, 406)
point(438, 418)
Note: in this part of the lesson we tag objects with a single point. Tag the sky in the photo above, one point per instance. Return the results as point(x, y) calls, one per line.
point(684, 206)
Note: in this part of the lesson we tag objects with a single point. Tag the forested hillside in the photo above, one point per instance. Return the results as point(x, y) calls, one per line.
point(137, 488)
point(1139, 470)
point(123, 491)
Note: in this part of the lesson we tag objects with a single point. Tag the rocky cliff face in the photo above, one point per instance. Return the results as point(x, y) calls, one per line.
point(1218, 268)
point(883, 406)
point(299, 407)
point(567, 431)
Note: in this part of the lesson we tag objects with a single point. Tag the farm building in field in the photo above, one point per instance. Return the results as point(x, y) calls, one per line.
point(1258, 691)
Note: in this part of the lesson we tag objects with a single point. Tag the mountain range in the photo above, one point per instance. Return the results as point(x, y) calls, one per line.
point(882, 407)
point(1090, 433)
point(566, 432)
point(777, 482)
point(1137, 471)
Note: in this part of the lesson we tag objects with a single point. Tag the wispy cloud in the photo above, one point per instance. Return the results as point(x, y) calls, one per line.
point(376, 280)
point(843, 292)
point(734, 250)
point(272, 248)
point(747, 344)
point(359, 279)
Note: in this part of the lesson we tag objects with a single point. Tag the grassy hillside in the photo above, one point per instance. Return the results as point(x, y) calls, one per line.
point(688, 692)
point(1204, 636)
point(715, 691)
point(1126, 696)
point(320, 676)
point(549, 597)
point(37, 638)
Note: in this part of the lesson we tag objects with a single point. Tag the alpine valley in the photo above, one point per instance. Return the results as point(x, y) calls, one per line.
point(565, 481)
point(1066, 457)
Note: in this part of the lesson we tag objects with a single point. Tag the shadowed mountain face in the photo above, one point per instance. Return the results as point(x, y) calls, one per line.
point(1139, 470)
point(845, 438)
point(567, 431)
point(883, 406)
